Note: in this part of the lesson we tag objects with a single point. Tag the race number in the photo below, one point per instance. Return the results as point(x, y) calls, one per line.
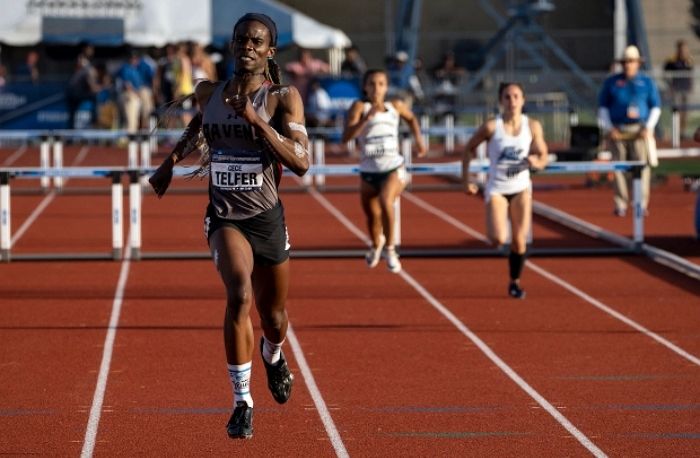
point(238, 174)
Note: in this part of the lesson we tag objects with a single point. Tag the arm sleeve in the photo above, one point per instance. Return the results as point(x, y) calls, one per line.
point(654, 115)
point(604, 118)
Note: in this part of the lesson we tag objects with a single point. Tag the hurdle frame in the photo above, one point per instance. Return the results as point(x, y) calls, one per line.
point(116, 211)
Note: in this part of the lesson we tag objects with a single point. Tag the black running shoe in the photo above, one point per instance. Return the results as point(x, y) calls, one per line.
point(514, 290)
point(240, 425)
point(279, 379)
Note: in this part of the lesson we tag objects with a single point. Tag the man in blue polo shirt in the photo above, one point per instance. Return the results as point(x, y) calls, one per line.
point(129, 84)
point(629, 108)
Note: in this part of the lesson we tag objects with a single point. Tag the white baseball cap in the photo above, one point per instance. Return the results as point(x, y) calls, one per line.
point(630, 53)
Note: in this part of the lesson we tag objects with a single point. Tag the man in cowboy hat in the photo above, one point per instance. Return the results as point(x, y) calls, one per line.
point(629, 108)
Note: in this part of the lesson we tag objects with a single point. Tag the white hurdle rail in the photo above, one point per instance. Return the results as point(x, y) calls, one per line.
point(116, 213)
point(481, 166)
point(140, 146)
point(136, 193)
point(451, 168)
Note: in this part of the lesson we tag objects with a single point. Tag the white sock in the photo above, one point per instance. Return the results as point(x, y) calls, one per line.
point(271, 351)
point(240, 382)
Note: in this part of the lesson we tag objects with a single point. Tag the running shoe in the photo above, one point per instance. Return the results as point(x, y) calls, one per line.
point(392, 260)
point(514, 290)
point(375, 253)
point(279, 378)
point(621, 212)
point(240, 425)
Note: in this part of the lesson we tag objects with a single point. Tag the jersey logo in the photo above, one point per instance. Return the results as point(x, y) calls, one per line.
point(510, 153)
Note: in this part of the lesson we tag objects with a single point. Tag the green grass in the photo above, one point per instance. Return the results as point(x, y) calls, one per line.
point(686, 166)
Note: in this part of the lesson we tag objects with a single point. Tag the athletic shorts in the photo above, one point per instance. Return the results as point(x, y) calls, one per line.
point(266, 233)
point(376, 179)
point(509, 196)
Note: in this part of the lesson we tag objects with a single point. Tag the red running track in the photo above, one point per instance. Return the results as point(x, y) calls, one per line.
point(435, 361)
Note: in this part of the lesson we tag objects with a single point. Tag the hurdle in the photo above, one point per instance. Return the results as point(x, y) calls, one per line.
point(136, 195)
point(116, 212)
point(452, 168)
point(51, 151)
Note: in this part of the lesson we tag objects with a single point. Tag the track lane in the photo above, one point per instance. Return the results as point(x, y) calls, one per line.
point(326, 230)
point(458, 381)
point(53, 319)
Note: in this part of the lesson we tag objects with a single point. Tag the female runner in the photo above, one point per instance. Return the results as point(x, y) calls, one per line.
point(515, 145)
point(374, 121)
point(252, 126)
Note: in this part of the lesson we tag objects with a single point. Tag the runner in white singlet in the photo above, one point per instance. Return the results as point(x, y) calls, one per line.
point(375, 123)
point(515, 144)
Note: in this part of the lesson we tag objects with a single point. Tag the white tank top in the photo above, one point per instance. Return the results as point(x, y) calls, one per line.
point(509, 172)
point(379, 141)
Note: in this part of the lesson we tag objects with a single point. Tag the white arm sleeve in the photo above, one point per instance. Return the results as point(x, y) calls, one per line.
point(654, 116)
point(604, 119)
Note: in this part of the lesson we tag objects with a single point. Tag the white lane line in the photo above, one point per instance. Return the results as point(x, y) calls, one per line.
point(449, 218)
point(32, 217)
point(546, 405)
point(596, 303)
point(310, 381)
point(14, 156)
point(614, 313)
point(101, 386)
point(339, 216)
point(315, 393)
point(45, 202)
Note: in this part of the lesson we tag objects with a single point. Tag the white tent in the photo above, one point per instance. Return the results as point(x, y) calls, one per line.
point(293, 27)
point(155, 23)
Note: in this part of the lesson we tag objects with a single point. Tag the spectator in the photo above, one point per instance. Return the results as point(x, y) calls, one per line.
point(412, 90)
point(184, 86)
point(82, 87)
point(164, 79)
point(107, 108)
point(679, 69)
point(448, 70)
point(202, 66)
point(129, 85)
point(301, 71)
point(29, 70)
point(353, 66)
point(629, 108)
point(146, 67)
point(3, 77)
point(318, 105)
point(447, 76)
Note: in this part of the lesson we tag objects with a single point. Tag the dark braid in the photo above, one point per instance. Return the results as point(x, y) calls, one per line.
point(273, 71)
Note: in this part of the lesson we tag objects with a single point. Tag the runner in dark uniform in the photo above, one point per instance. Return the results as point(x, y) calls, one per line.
point(252, 126)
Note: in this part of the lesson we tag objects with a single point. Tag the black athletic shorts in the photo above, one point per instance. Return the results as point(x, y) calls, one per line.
point(266, 233)
point(376, 179)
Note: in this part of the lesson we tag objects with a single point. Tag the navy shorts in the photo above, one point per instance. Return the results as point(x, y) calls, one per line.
point(266, 233)
point(376, 179)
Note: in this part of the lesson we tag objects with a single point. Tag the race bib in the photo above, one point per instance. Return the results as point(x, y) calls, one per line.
point(381, 147)
point(237, 173)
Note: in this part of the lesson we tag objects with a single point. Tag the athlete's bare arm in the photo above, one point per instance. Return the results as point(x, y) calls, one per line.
point(482, 134)
point(291, 146)
point(188, 142)
point(355, 121)
point(412, 121)
point(538, 156)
